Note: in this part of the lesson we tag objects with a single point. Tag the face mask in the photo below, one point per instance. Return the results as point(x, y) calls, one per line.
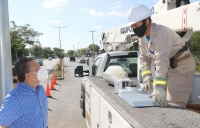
point(140, 30)
point(42, 74)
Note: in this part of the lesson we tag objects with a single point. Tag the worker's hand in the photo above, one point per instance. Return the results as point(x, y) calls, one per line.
point(147, 80)
point(159, 96)
point(147, 84)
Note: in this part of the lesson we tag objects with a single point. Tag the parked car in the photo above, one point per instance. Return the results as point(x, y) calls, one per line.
point(39, 61)
point(50, 58)
point(82, 60)
point(72, 58)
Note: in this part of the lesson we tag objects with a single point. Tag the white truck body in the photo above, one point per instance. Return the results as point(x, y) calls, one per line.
point(103, 109)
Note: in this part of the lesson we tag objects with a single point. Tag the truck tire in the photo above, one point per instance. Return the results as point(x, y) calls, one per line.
point(82, 104)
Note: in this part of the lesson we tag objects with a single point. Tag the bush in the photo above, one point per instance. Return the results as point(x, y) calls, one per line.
point(59, 66)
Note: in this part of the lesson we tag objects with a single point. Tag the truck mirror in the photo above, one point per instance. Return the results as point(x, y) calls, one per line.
point(78, 72)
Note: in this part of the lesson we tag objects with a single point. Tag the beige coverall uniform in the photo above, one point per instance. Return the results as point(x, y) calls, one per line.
point(163, 45)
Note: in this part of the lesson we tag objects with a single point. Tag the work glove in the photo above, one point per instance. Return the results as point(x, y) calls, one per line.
point(158, 95)
point(147, 80)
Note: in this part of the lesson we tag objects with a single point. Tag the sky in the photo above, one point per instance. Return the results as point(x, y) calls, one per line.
point(80, 17)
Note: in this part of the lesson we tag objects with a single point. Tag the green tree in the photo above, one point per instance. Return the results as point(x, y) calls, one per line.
point(20, 37)
point(37, 51)
point(59, 52)
point(47, 52)
point(194, 45)
point(82, 51)
point(96, 47)
point(70, 52)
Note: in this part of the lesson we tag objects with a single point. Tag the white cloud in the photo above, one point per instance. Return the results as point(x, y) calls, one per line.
point(119, 2)
point(116, 7)
point(50, 4)
point(56, 21)
point(117, 13)
point(84, 9)
point(98, 26)
point(93, 12)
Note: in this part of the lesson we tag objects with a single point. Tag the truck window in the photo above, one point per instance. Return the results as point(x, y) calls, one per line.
point(128, 63)
point(95, 66)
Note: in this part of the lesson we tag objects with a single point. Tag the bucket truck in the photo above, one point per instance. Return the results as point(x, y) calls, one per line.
point(102, 108)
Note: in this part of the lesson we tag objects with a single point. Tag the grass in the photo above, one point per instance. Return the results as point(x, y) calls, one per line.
point(57, 72)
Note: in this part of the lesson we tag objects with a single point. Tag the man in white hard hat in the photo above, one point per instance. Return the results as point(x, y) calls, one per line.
point(174, 64)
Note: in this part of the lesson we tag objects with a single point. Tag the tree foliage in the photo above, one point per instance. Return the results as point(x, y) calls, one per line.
point(59, 52)
point(194, 45)
point(82, 51)
point(36, 50)
point(47, 52)
point(20, 37)
point(70, 52)
point(96, 47)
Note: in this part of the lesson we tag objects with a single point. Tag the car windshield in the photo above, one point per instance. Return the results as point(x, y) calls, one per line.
point(128, 63)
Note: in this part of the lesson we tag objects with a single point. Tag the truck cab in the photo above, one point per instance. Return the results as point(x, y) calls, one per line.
point(128, 60)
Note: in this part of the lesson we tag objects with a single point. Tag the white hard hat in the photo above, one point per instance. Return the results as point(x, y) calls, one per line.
point(138, 13)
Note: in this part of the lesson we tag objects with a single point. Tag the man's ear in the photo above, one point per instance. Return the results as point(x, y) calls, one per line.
point(27, 76)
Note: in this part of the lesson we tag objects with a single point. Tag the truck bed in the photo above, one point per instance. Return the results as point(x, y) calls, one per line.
point(172, 116)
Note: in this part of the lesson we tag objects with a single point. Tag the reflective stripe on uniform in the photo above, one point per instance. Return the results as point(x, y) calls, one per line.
point(146, 72)
point(161, 81)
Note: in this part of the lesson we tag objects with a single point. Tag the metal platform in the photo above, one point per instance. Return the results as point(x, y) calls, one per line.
point(135, 97)
point(172, 116)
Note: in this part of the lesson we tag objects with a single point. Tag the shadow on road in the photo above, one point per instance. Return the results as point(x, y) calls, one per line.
point(54, 90)
point(52, 98)
point(49, 109)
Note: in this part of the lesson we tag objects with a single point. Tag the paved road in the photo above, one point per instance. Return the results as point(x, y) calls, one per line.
point(64, 109)
point(50, 65)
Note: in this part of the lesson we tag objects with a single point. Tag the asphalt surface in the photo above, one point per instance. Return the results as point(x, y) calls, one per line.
point(64, 108)
point(50, 65)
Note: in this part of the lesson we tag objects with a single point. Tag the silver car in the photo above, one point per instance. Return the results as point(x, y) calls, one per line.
point(82, 60)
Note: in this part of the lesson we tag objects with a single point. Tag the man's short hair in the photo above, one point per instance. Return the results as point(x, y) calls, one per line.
point(22, 67)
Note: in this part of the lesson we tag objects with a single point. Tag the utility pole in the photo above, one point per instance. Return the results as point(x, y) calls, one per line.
point(6, 82)
point(59, 33)
point(93, 41)
point(78, 48)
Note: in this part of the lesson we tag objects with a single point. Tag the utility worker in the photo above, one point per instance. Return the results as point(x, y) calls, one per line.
point(174, 65)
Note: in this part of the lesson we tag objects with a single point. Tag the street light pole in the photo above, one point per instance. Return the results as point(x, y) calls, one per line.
point(93, 41)
point(59, 33)
point(5, 57)
point(59, 38)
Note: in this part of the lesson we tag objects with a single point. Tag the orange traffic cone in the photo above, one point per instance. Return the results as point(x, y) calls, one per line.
point(48, 91)
point(52, 85)
point(54, 79)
